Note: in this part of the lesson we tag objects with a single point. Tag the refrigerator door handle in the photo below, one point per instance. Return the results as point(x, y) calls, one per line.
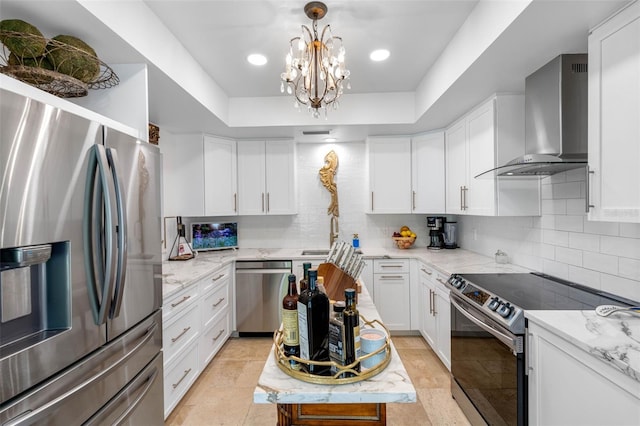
point(98, 169)
point(100, 417)
point(121, 209)
point(39, 413)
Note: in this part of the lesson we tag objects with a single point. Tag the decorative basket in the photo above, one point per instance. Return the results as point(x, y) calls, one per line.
point(283, 361)
point(41, 73)
point(404, 242)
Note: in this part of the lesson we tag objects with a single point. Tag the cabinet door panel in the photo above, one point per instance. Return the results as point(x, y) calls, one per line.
point(251, 172)
point(614, 108)
point(481, 134)
point(389, 175)
point(456, 158)
point(392, 300)
point(427, 169)
point(183, 176)
point(280, 177)
point(220, 177)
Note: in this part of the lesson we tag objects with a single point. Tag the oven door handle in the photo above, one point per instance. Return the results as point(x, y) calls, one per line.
point(504, 338)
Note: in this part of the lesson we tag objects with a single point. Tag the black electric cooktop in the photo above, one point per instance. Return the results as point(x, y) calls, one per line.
point(536, 291)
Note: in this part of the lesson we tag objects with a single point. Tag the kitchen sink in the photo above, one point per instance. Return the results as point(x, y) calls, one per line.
point(315, 252)
point(322, 252)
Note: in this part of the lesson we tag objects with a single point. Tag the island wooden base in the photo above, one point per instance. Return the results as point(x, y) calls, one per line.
point(332, 414)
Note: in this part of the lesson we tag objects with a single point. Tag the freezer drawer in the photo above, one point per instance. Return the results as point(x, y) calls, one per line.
point(78, 393)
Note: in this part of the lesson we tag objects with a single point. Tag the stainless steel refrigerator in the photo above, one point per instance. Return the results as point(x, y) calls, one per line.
point(80, 270)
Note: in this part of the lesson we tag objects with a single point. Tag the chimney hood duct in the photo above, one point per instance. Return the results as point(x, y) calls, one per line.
point(555, 120)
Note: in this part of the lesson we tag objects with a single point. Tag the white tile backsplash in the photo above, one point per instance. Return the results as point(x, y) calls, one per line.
point(601, 255)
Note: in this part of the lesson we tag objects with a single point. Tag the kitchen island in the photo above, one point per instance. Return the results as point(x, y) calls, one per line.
point(362, 403)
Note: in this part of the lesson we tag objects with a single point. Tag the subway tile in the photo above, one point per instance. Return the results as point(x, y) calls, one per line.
point(588, 242)
point(556, 238)
point(631, 230)
point(547, 251)
point(584, 276)
point(619, 246)
point(600, 262)
point(621, 286)
point(569, 256)
point(567, 190)
point(629, 268)
point(576, 206)
point(557, 178)
point(553, 207)
point(569, 223)
point(600, 228)
point(556, 269)
point(546, 192)
point(575, 175)
point(548, 221)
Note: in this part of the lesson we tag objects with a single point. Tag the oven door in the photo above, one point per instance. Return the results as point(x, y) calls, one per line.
point(487, 365)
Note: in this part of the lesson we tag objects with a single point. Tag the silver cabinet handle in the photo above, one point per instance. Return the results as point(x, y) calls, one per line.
point(218, 335)
point(440, 280)
point(184, 299)
point(426, 272)
point(587, 197)
point(391, 277)
point(268, 202)
point(465, 206)
point(235, 202)
point(217, 278)
point(175, 339)
point(371, 200)
point(430, 302)
point(433, 298)
point(461, 202)
point(391, 265)
point(413, 200)
point(218, 302)
point(186, 372)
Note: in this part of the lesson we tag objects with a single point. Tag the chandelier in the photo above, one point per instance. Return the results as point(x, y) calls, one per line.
point(314, 70)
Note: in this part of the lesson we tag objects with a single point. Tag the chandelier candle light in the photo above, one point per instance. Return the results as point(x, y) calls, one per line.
point(314, 69)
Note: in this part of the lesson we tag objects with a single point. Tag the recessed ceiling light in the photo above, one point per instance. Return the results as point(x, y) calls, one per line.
point(257, 59)
point(379, 55)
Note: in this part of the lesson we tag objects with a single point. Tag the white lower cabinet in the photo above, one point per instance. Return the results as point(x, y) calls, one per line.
point(391, 291)
point(435, 309)
point(568, 386)
point(196, 323)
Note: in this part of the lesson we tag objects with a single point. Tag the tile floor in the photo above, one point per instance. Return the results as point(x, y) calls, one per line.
point(223, 394)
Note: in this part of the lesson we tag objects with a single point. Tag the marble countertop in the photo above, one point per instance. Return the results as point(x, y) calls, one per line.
point(390, 385)
point(180, 274)
point(615, 339)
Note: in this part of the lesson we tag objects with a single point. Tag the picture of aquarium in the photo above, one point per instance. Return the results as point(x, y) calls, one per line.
point(214, 236)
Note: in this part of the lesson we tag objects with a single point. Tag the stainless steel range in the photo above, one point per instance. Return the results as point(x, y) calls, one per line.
point(488, 328)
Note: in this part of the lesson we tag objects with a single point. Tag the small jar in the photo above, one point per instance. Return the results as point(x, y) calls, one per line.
point(356, 241)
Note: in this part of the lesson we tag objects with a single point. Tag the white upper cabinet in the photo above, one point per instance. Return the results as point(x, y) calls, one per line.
point(266, 177)
point(488, 136)
point(427, 173)
point(220, 177)
point(183, 175)
point(614, 117)
point(389, 174)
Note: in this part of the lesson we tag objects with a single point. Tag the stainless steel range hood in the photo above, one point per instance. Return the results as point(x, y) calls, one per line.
point(555, 120)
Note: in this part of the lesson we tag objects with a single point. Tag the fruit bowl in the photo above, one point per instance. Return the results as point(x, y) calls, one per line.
point(404, 242)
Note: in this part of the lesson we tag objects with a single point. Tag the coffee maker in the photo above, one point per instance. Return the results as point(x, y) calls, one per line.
point(450, 230)
point(436, 237)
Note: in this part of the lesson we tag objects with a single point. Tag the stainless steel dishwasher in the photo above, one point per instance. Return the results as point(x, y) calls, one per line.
point(260, 287)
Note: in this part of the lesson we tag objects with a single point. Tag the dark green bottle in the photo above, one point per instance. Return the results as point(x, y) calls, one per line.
point(351, 320)
point(313, 326)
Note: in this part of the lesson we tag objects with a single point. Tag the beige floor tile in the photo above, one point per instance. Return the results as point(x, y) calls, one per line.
point(223, 394)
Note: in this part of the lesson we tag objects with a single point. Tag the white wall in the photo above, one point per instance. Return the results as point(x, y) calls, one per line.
point(562, 242)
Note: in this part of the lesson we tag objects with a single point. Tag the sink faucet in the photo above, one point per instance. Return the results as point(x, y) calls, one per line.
point(333, 233)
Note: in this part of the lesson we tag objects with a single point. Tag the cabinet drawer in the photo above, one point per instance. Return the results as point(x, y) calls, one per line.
point(213, 303)
point(180, 301)
point(214, 337)
point(219, 278)
point(390, 265)
point(179, 376)
point(180, 332)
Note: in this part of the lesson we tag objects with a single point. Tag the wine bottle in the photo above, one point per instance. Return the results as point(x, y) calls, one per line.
point(313, 326)
point(351, 319)
point(336, 336)
point(305, 277)
point(291, 342)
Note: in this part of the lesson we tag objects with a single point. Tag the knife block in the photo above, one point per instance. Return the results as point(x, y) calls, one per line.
point(336, 281)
